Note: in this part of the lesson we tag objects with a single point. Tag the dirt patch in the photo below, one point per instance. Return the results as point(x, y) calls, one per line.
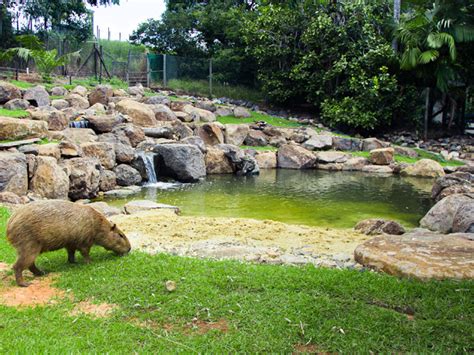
point(101, 310)
point(203, 327)
point(39, 293)
point(4, 267)
point(308, 349)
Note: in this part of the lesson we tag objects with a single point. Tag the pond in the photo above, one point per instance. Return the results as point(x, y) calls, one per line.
point(310, 197)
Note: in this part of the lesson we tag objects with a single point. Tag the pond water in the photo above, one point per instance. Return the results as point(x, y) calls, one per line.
point(310, 197)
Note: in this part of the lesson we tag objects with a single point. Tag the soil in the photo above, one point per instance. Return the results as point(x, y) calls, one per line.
point(101, 310)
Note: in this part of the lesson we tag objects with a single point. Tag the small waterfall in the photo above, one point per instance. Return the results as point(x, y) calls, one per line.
point(79, 124)
point(149, 166)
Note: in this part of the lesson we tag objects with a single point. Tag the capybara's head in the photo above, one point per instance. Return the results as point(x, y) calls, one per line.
point(116, 241)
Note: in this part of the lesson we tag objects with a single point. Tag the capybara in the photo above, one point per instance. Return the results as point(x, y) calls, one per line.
point(50, 225)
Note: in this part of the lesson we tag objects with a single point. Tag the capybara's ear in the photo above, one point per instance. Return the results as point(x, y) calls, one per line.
point(112, 225)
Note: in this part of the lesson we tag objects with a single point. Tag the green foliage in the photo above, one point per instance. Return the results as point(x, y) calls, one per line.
point(13, 113)
point(422, 154)
point(255, 116)
point(266, 148)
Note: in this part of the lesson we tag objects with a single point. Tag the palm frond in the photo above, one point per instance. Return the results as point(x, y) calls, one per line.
point(436, 40)
point(428, 56)
point(410, 58)
point(463, 33)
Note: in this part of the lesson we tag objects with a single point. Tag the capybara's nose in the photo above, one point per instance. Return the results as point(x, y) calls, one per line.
point(129, 249)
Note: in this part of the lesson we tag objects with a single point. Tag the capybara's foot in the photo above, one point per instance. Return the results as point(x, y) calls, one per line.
point(36, 271)
point(24, 284)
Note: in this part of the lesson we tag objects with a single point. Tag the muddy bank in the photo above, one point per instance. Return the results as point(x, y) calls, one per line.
point(237, 238)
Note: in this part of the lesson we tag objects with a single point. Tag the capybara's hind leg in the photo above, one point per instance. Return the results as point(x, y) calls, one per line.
point(23, 262)
point(37, 272)
point(85, 253)
point(71, 255)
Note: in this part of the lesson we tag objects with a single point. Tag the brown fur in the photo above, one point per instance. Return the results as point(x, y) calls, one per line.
point(50, 225)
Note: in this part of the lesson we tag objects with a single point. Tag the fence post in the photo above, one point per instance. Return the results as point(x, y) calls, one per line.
point(100, 64)
point(148, 74)
point(165, 79)
point(128, 67)
point(95, 60)
point(210, 77)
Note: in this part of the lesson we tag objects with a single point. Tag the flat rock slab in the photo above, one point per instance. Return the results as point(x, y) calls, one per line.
point(420, 254)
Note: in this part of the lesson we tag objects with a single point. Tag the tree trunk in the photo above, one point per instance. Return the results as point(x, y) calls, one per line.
point(396, 17)
point(427, 113)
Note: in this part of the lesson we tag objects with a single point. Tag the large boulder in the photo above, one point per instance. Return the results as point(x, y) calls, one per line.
point(127, 176)
point(50, 150)
point(382, 156)
point(17, 104)
point(49, 179)
point(266, 160)
point(331, 157)
point(79, 90)
point(355, 164)
point(104, 152)
point(217, 162)
point(77, 101)
point(108, 180)
point(57, 120)
point(424, 168)
point(211, 133)
point(124, 153)
point(37, 96)
point(458, 182)
point(104, 123)
point(291, 156)
point(204, 115)
point(129, 132)
point(59, 91)
point(440, 217)
point(141, 114)
point(163, 113)
point(100, 94)
point(256, 138)
point(8, 92)
point(84, 177)
point(463, 220)
point(13, 173)
point(15, 129)
point(318, 142)
point(242, 163)
point(420, 254)
point(59, 104)
point(69, 149)
point(379, 226)
point(369, 144)
point(241, 112)
point(236, 133)
point(80, 135)
point(182, 162)
point(347, 144)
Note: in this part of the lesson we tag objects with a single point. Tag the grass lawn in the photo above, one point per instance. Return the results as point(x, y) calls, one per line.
point(259, 308)
point(423, 154)
point(265, 148)
point(13, 113)
point(272, 120)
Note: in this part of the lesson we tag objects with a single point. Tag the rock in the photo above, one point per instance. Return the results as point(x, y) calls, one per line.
point(96, 109)
point(160, 132)
point(185, 117)
point(137, 90)
point(163, 113)
point(59, 91)
point(256, 139)
point(266, 160)
point(183, 162)
point(292, 156)
point(104, 123)
point(129, 132)
point(104, 152)
point(80, 135)
point(15, 129)
point(382, 156)
point(223, 111)
point(441, 216)
point(204, 115)
point(377, 169)
point(330, 166)
point(50, 150)
point(331, 157)
point(8, 92)
point(59, 104)
point(236, 133)
point(355, 164)
point(127, 176)
point(49, 179)
point(123, 192)
point(318, 142)
point(206, 105)
point(379, 226)
point(211, 133)
point(79, 90)
point(242, 163)
point(424, 168)
point(458, 182)
point(170, 286)
point(123, 153)
point(69, 149)
point(100, 94)
point(108, 180)
point(84, 177)
point(463, 220)
point(197, 141)
point(141, 114)
point(241, 112)
point(146, 205)
point(37, 96)
point(10, 197)
point(369, 144)
point(57, 120)
point(408, 152)
point(347, 144)
point(13, 173)
point(104, 208)
point(420, 254)
point(17, 104)
point(217, 162)
point(77, 101)
point(157, 100)
point(179, 105)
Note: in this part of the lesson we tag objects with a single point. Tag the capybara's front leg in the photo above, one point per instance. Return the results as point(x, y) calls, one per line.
point(23, 262)
point(85, 254)
point(71, 255)
point(37, 272)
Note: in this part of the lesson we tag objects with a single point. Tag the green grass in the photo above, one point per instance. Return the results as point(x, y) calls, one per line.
point(266, 148)
point(22, 84)
point(56, 97)
point(255, 116)
point(13, 113)
point(422, 155)
point(201, 87)
point(267, 308)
